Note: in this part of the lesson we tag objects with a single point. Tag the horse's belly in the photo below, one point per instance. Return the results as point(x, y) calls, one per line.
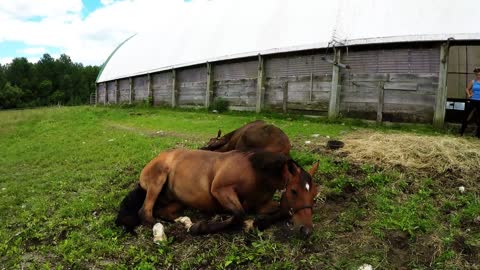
point(195, 194)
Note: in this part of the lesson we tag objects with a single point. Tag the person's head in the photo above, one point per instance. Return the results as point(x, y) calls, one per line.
point(477, 72)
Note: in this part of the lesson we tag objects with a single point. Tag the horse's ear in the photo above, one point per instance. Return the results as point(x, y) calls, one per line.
point(219, 133)
point(293, 169)
point(314, 169)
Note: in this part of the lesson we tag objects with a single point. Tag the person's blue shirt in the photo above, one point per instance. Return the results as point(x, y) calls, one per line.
point(475, 90)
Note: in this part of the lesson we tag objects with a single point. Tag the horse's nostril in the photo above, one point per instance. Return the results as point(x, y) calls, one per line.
point(306, 231)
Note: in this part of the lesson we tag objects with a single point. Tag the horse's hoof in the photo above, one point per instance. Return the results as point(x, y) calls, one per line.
point(199, 227)
point(261, 223)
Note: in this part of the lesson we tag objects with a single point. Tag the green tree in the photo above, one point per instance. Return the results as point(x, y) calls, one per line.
point(10, 96)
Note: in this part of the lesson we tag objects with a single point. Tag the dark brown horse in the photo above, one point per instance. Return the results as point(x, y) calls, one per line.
point(233, 182)
point(254, 135)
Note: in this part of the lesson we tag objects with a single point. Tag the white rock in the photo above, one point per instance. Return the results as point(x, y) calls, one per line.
point(4, 189)
point(111, 140)
point(461, 189)
point(328, 137)
point(185, 221)
point(365, 267)
point(308, 142)
point(214, 111)
point(159, 233)
point(315, 135)
point(83, 142)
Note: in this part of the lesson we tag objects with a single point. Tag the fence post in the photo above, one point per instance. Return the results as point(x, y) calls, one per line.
point(209, 90)
point(441, 98)
point(333, 107)
point(260, 84)
point(174, 88)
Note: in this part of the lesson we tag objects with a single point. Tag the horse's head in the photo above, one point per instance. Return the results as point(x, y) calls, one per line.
point(215, 142)
point(298, 196)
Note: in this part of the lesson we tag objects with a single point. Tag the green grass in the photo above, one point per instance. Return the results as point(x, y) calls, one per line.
point(64, 171)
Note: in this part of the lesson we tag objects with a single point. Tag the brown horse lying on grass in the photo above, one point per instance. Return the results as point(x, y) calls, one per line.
point(254, 135)
point(233, 182)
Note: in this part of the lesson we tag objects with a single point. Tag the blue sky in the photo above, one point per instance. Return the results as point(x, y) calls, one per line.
point(86, 30)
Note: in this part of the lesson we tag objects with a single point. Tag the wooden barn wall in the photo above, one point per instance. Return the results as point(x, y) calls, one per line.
point(140, 88)
point(408, 78)
point(192, 84)
point(399, 83)
point(305, 81)
point(111, 92)
point(236, 83)
point(124, 88)
point(101, 93)
point(162, 88)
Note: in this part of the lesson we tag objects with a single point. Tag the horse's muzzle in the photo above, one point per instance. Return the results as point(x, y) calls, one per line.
point(306, 230)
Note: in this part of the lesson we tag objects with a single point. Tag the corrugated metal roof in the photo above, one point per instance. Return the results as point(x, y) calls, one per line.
point(220, 30)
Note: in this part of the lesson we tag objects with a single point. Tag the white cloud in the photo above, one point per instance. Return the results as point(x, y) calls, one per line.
point(35, 50)
point(107, 2)
point(22, 9)
point(6, 60)
point(89, 40)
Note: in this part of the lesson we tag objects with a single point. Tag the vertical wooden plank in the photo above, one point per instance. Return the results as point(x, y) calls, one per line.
point(441, 98)
point(260, 85)
point(130, 81)
point(117, 92)
point(285, 97)
point(333, 107)
point(311, 86)
point(96, 94)
point(174, 88)
point(381, 95)
point(105, 100)
point(150, 89)
point(209, 89)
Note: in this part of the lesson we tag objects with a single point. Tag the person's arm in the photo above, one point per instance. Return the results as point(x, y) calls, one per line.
point(469, 89)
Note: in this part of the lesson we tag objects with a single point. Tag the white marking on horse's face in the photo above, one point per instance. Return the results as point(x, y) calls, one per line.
point(307, 186)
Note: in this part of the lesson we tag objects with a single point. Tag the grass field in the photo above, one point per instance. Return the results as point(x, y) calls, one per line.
point(64, 171)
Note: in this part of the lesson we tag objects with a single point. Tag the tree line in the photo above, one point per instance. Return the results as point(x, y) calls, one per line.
point(48, 82)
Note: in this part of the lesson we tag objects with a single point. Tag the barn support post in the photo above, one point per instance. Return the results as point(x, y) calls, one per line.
point(260, 84)
point(209, 90)
point(381, 99)
point(441, 98)
point(130, 82)
point(174, 88)
point(334, 104)
point(96, 94)
point(117, 92)
point(150, 89)
point(285, 98)
point(105, 100)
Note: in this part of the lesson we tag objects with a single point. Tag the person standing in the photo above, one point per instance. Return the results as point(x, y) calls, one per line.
point(473, 102)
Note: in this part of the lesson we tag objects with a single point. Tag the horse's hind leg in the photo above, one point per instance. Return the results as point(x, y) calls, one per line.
point(154, 186)
point(228, 199)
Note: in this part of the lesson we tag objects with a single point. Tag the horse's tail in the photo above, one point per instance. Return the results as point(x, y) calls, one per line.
point(128, 216)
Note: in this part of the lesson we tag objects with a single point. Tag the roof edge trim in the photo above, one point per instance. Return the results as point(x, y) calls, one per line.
point(110, 56)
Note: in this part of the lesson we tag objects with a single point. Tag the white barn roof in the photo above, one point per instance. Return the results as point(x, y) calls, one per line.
point(203, 31)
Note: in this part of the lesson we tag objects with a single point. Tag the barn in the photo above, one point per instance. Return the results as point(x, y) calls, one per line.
point(384, 60)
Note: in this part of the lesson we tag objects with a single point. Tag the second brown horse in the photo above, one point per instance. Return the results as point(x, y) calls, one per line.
point(254, 135)
point(234, 182)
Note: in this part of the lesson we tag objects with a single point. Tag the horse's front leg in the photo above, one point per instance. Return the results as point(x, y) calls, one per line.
point(269, 214)
point(228, 199)
point(154, 186)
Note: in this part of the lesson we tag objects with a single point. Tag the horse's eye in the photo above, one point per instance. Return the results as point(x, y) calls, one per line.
point(294, 192)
